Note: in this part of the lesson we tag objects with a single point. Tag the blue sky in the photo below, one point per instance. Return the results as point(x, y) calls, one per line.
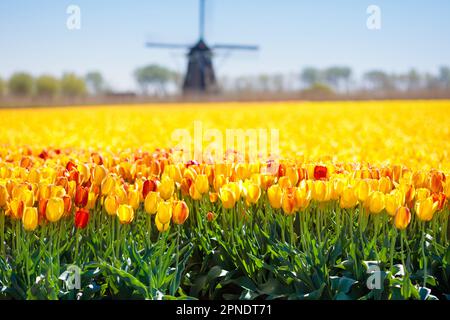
point(291, 34)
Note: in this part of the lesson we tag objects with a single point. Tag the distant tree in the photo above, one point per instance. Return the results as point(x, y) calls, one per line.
point(154, 75)
point(318, 90)
point(95, 82)
point(336, 76)
point(2, 87)
point(47, 86)
point(379, 80)
point(310, 76)
point(72, 85)
point(413, 79)
point(21, 84)
point(444, 76)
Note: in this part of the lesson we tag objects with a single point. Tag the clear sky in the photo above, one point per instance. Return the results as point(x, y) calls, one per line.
point(291, 34)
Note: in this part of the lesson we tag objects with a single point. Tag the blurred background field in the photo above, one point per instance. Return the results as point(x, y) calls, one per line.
point(412, 133)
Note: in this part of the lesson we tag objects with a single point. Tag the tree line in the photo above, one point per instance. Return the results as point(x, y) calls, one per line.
point(155, 80)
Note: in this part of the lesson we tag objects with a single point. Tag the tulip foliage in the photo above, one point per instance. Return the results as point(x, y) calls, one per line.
point(145, 225)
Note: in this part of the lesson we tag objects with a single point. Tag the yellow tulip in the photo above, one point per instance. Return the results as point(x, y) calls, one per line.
point(151, 202)
point(349, 199)
point(292, 174)
point(392, 202)
point(55, 209)
point(376, 202)
point(275, 194)
point(125, 213)
point(425, 209)
point(362, 190)
point(201, 183)
point(164, 213)
point(302, 197)
point(111, 204)
point(166, 188)
point(30, 218)
point(108, 184)
point(4, 196)
point(161, 226)
point(134, 198)
point(320, 190)
point(227, 196)
point(252, 192)
point(194, 193)
point(98, 174)
point(422, 194)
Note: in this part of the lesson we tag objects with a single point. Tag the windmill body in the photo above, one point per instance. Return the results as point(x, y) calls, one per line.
point(200, 77)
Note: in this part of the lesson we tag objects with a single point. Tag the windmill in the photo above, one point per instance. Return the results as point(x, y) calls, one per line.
point(200, 76)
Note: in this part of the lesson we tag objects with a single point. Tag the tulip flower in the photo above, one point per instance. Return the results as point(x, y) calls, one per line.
point(275, 194)
point(320, 172)
point(288, 201)
point(362, 190)
point(55, 209)
point(201, 183)
point(302, 198)
point(392, 202)
point(98, 174)
point(30, 218)
point(166, 188)
point(164, 213)
point(125, 213)
point(194, 193)
point(292, 174)
point(180, 212)
point(425, 209)
point(349, 199)
point(376, 202)
point(81, 196)
point(134, 199)
point(161, 226)
point(227, 196)
point(402, 218)
point(108, 184)
point(252, 192)
point(210, 216)
point(213, 197)
point(81, 218)
point(151, 202)
point(111, 204)
point(4, 196)
point(148, 186)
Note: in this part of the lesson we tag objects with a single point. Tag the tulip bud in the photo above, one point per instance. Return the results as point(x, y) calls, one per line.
point(134, 199)
point(125, 213)
point(81, 196)
point(30, 219)
point(210, 216)
point(194, 193)
point(213, 197)
point(16, 208)
point(98, 174)
point(148, 186)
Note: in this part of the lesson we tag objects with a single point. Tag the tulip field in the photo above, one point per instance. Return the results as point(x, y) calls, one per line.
point(355, 207)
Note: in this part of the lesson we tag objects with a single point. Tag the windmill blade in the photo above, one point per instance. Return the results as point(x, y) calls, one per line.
point(235, 47)
point(163, 45)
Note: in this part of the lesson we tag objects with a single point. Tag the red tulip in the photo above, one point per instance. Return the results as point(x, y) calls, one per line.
point(149, 185)
point(81, 196)
point(320, 172)
point(81, 218)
